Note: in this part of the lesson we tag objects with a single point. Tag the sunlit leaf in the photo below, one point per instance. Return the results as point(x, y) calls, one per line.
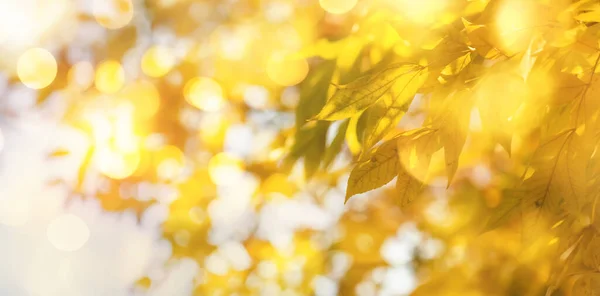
point(407, 186)
point(457, 65)
point(379, 169)
point(365, 91)
point(388, 111)
point(508, 207)
point(452, 121)
point(558, 182)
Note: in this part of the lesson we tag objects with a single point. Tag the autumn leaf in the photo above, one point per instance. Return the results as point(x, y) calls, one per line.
point(590, 15)
point(508, 207)
point(457, 65)
point(379, 169)
point(558, 183)
point(452, 120)
point(365, 91)
point(587, 285)
point(388, 111)
point(407, 186)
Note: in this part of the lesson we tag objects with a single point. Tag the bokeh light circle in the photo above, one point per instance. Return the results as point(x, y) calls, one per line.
point(157, 61)
point(110, 77)
point(37, 68)
point(204, 93)
point(287, 69)
point(337, 6)
point(113, 14)
point(68, 232)
point(225, 169)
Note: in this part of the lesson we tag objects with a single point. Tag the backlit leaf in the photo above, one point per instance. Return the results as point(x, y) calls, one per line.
point(452, 121)
point(509, 206)
point(365, 91)
point(558, 183)
point(379, 169)
point(390, 108)
point(407, 186)
point(457, 65)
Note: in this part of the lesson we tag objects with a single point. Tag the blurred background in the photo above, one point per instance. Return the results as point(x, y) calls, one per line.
point(142, 144)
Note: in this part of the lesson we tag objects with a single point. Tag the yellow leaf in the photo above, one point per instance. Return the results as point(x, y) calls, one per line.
point(558, 184)
point(457, 65)
point(379, 169)
point(365, 91)
point(407, 186)
point(452, 121)
point(352, 135)
point(388, 111)
point(509, 205)
point(589, 16)
point(527, 62)
point(587, 285)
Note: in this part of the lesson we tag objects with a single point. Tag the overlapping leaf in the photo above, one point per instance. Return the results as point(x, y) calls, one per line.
point(558, 184)
point(379, 169)
point(388, 111)
point(355, 97)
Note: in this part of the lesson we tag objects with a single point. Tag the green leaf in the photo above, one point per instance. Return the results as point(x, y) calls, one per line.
point(388, 111)
point(309, 139)
point(314, 152)
point(365, 91)
point(379, 169)
point(336, 145)
point(309, 143)
point(313, 92)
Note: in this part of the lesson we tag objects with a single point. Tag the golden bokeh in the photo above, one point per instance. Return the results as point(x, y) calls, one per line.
point(515, 22)
point(113, 14)
point(422, 12)
point(110, 77)
point(81, 75)
point(337, 6)
point(68, 232)
point(157, 61)
point(302, 147)
point(204, 93)
point(37, 68)
point(144, 97)
point(225, 169)
point(116, 164)
point(287, 69)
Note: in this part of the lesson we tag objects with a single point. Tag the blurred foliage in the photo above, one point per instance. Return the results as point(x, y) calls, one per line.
point(250, 123)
